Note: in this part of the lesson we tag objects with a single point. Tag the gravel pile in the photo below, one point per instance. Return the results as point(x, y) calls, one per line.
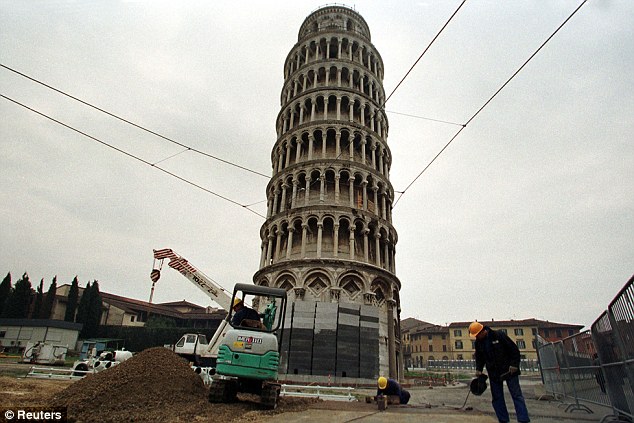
point(155, 385)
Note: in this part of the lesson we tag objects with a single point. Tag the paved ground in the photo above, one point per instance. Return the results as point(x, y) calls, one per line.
point(441, 405)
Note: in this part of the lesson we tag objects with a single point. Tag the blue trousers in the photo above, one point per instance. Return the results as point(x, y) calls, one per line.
point(499, 405)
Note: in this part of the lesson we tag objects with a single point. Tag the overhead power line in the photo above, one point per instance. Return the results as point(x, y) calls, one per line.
point(423, 53)
point(132, 123)
point(187, 148)
point(425, 118)
point(486, 103)
point(246, 207)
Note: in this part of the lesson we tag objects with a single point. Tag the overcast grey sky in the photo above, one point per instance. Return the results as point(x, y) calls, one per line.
point(528, 213)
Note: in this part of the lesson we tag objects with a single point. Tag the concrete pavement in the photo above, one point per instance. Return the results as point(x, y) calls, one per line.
point(441, 405)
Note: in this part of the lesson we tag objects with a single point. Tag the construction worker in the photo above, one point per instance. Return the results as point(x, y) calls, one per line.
point(502, 359)
point(391, 387)
point(243, 312)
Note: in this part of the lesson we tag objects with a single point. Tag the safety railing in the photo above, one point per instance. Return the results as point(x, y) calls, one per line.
point(596, 366)
point(526, 365)
point(57, 373)
point(571, 370)
point(613, 335)
point(331, 393)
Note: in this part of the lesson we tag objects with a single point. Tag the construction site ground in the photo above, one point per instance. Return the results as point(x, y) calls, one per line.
point(157, 387)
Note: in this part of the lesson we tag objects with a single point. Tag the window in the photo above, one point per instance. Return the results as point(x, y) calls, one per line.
point(521, 344)
point(444, 337)
point(457, 332)
point(430, 337)
point(534, 330)
point(132, 318)
point(546, 333)
point(504, 331)
point(431, 347)
point(444, 348)
point(458, 345)
point(460, 357)
point(570, 332)
point(54, 335)
point(2, 333)
point(559, 334)
point(519, 332)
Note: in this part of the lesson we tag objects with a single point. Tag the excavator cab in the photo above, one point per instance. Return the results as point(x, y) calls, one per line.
point(249, 355)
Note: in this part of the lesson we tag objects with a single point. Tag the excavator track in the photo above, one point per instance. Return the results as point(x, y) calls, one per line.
point(270, 395)
point(223, 391)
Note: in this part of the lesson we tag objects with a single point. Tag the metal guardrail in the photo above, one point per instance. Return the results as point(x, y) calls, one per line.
point(596, 366)
point(569, 370)
point(322, 392)
point(57, 373)
point(525, 365)
point(613, 335)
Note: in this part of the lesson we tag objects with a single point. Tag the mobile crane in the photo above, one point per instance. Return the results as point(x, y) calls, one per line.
point(194, 346)
point(246, 356)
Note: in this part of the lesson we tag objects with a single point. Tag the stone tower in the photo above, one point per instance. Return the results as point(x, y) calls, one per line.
point(328, 238)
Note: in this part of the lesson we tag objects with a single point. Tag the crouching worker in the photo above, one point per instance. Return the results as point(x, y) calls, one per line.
point(391, 387)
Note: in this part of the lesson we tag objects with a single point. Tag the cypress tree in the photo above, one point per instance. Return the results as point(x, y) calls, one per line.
point(39, 297)
point(5, 290)
point(49, 300)
point(93, 316)
point(82, 309)
point(73, 297)
point(17, 306)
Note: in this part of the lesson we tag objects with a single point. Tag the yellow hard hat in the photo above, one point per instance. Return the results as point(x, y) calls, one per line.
point(475, 328)
point(236, 301)
point(382, 382)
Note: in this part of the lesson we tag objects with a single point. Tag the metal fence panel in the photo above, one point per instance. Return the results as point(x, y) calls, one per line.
point(596, 366)
point(584, 375)
point(613, 335)
point(622, 311)
point(551, 374)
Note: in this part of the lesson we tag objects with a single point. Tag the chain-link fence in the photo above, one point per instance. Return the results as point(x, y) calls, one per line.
point(596, 366)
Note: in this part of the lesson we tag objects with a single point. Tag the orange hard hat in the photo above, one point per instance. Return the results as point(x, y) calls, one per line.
point(475, 328)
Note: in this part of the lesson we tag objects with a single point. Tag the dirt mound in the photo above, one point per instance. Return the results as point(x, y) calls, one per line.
point(155, 385)
point(150, 379)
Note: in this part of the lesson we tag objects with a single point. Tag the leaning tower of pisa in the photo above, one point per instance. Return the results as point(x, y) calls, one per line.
point(328, 237)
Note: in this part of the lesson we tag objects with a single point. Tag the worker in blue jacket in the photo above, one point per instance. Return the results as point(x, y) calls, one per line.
point(243, 313)
point(501, 356)
point(392, 387)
